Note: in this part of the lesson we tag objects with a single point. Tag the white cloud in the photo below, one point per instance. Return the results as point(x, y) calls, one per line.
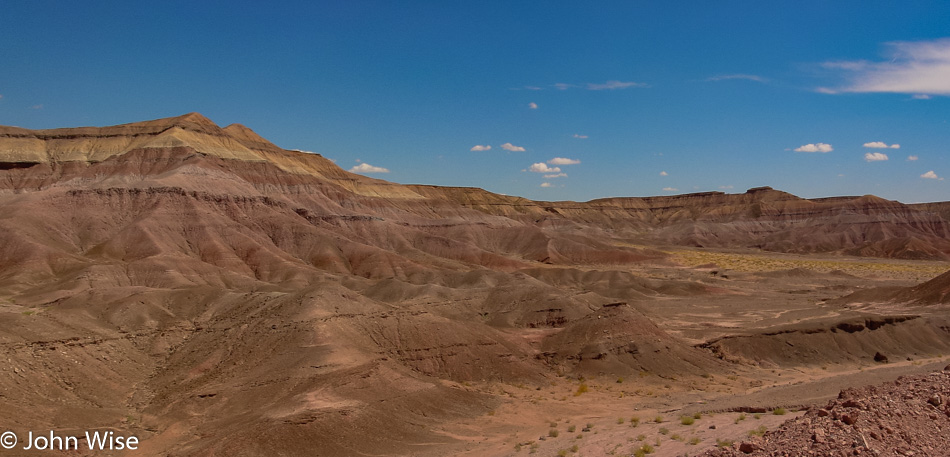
point(541, 167)
point(755, 78)
point(881, 145)
point(921, 97)
point(816, 147)
point(532, 88)
point(547, 184)
point(556, 175)
point(670, 189)
point(725, 187)
point(512, 148)
point(663, 173)
point(919, 68)
point(912, 158)
point(305, 152)
point(875, 157)
point(37, 107)
point(579, 136)
point(479, 147)
point(533, 105)
point(563, 86)
point(563, 161)
point(367, 168)
point(930, 175)
point(613, 85)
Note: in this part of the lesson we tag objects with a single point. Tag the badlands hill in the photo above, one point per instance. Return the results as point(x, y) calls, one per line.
point(196, 284)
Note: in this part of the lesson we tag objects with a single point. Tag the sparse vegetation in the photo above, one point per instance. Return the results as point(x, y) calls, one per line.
point(723, 443)
point(779, 411)
point(694, 441)
point(620, 380)
point(758, 431)
point(619, 420)
point(644, 450)
point(752, 262)
point(553, 433)
point(571, 428)
point(664, 431)
point(658, 419)
point(574, 448)
point(687, 420)
point(581, 389)
point(634, 421)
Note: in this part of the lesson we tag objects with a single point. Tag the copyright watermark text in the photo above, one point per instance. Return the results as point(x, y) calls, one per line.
point(91, 440)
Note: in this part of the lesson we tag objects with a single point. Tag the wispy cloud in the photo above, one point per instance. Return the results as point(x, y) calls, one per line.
point(930, 175)
point(815, 147)
point(512, 148)
point(725, 187)
point(921, 68)
point(579, 136)
point(479, 147)
point(881, 145)
point(563, 161)
point(614, 85)
point(556, 175)
point(755, 78)
point(875, 157)
point(547, 184)
point(670, 189)
point(367, 168)
point(921, 97)
point(663, 173)
point(533, 105)
point(912, 158)
point(542, 167)
point(37, 107)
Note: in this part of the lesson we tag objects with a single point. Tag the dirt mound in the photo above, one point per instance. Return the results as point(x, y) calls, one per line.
point(935, 291)
point(905, 417)
point(618, 340)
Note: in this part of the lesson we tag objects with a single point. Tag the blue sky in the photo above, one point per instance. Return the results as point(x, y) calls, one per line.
point(650, 98)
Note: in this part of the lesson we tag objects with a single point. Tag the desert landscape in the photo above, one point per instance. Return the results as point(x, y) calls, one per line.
point(211, 293)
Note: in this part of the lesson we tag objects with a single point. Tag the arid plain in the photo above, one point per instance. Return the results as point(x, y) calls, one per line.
point(213, 294)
